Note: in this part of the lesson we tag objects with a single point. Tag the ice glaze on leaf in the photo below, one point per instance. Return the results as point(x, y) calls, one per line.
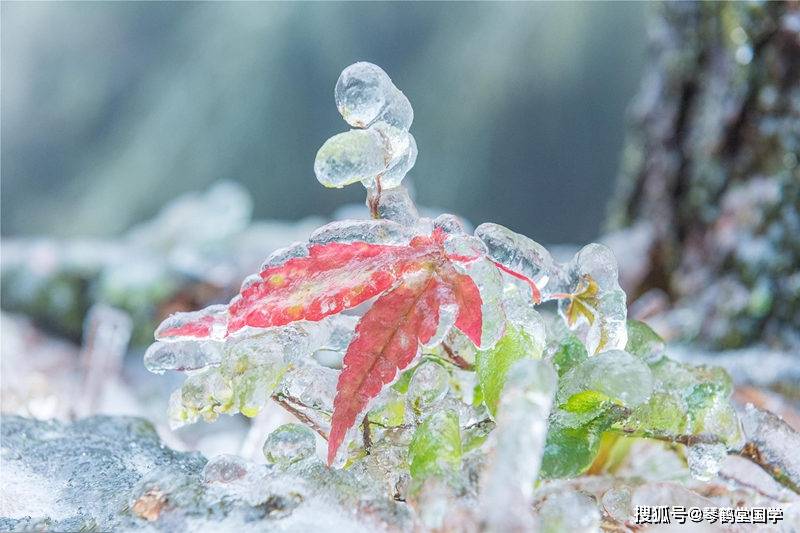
point(435, 448)
point(387, 340)
point(492, 365)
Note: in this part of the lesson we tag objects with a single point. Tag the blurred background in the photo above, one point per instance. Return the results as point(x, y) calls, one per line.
point(154, 153)
point(110, 110)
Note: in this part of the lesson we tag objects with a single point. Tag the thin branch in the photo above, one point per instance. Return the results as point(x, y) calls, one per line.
point(365, 433)
point(750, 451)
point(456, 359)
point(284, 401)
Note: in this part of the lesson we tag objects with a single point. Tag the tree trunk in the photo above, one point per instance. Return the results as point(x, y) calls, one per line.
point(710, 172)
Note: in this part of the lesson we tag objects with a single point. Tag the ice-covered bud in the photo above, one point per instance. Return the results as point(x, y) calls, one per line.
point(352, 156)
point(361, 93)
point(380, 146)
point(365, 93)
point(289, 443)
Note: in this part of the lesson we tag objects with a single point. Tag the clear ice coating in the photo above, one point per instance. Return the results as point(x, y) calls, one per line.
point(380, 146)
point(587, 288)
point(513, 465)
point(705, 460)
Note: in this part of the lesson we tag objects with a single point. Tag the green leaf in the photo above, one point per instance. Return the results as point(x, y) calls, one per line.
point(569, 354)
point(569, 451)
point(664, 413)
point(492, 365)
point(585, 401)
point(435, 448)
point(643, 342)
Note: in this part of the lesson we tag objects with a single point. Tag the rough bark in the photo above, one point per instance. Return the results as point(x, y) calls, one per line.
point(711, 175)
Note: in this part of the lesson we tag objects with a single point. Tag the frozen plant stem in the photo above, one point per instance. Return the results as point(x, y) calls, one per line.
point(287, 403)
point(757, 449)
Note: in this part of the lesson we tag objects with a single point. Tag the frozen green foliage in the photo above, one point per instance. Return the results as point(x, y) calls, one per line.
point(641, 393)
point(492, 365)
point(568, 353)
point(435, 449)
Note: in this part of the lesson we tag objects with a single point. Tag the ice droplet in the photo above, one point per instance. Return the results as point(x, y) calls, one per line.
point(617, 503)
point(705, 460)
point(569, 511)
point(289, 443)
point(224, 469)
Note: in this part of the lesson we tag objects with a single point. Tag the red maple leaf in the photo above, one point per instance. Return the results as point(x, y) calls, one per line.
point(412, 283)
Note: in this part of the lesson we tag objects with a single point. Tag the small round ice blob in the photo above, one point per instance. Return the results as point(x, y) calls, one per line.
point(362, 92)
point(289, 443)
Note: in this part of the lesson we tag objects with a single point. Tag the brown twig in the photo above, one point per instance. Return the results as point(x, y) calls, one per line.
point(286, 402)
point(365, 433)
point(373, 200)
point(456, 359)
point(749, 451)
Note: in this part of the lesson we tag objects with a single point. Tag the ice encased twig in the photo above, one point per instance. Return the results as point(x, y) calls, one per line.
point(513, 465)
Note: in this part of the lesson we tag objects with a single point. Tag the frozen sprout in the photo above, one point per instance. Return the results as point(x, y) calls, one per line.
point(380, 146)
point(289, 443)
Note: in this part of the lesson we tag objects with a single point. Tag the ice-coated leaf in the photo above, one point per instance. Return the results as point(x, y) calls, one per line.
point(592, 301)
point(590, 298)
point(435, 448)
point(616, 374)
point(568, 353)
point(570, 450)
point(386, 341)
point(644, 342)
point(585, 401)
point(492, 365)
point(519, 256)
point(469, 318)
